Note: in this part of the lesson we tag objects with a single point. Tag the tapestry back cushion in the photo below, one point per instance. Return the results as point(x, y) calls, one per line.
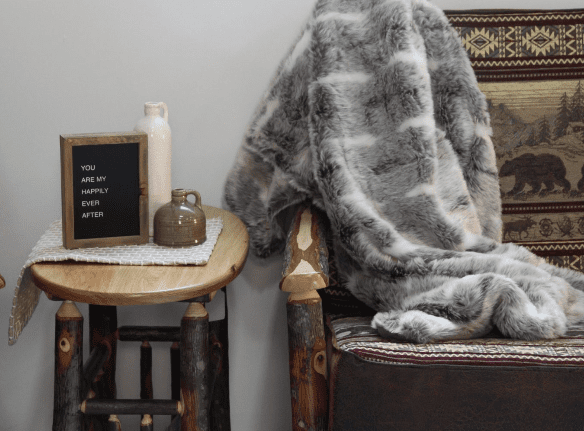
point(530, 66)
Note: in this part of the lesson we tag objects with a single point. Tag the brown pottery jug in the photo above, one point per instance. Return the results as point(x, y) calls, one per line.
point(179, 223)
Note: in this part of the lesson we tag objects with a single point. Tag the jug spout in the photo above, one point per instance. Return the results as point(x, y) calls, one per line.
point(155, 108)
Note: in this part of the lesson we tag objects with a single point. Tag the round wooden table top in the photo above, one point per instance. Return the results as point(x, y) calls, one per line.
point(110, 284)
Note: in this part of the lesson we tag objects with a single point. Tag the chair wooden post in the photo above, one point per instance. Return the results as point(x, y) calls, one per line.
point(68, 368)
point(194, 360)
point(307, 352)
point(305, 271)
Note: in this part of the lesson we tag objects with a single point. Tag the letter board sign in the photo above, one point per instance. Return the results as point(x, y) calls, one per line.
point(104, 189)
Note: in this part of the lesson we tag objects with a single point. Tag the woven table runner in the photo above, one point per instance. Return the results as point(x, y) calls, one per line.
point(50, 248)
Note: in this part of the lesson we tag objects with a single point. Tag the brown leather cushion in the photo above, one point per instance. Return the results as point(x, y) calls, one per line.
point(482, 384)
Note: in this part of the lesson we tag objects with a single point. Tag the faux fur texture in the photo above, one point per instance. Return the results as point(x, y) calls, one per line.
point(375, 115)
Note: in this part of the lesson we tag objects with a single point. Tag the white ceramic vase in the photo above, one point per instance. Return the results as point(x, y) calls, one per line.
point(159, 156)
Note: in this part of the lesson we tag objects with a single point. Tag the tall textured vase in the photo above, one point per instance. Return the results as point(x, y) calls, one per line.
point(159, 156)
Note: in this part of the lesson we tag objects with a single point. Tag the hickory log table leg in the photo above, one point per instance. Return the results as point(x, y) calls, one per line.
point(146, 389)
point(68, 368)
point(114, 424)
point(219, 416)
point(103, 326)
point(194, 359)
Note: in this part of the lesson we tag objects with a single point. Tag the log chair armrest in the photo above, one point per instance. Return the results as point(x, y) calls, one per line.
point(306, 254)
point(306, 271)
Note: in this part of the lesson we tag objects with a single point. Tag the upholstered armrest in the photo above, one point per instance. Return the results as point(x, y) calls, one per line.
point(306, 255)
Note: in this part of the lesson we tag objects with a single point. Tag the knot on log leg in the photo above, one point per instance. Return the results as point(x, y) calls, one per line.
point(319, 363)
point(65, 353)
point(64, 345)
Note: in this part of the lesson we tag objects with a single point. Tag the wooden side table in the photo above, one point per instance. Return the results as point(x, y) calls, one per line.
point(87, 392)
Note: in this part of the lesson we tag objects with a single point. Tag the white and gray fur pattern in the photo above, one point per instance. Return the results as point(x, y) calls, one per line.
point(376, 116)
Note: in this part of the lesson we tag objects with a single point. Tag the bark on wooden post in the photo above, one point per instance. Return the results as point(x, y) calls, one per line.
point(114, 423)
point(68, 368)
point(174, 379)
point(174, 371)
point(219, 409)
point(146, 391)
point(307, 346)
point(305, 271)
point(149, 333)
point(146, 423)
point(131, 407)
point(93, 367)
point(194, 360)
point(103, 325)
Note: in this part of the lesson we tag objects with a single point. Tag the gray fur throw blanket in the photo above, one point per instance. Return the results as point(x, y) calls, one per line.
point(376, 117)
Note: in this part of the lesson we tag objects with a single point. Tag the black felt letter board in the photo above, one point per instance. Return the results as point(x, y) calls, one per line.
point(104, 189)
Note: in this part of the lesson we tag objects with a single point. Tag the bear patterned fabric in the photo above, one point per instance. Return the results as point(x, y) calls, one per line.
point(530, 66)
point(376, 117)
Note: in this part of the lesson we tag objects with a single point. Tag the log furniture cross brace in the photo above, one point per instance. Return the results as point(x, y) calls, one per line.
point(85, 393)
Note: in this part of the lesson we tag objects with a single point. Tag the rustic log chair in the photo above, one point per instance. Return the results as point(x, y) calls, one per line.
point(352, 379)
point(345, 377)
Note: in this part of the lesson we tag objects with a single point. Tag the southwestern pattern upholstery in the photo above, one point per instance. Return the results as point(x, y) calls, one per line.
point(530, 65)
point(354, 334)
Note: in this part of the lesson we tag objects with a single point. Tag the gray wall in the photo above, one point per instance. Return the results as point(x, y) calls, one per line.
point(88, 66)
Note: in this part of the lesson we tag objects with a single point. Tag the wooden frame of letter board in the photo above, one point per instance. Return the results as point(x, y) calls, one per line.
point(67, 199)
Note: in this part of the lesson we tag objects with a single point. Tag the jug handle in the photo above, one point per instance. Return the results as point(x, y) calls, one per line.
point(165, 111)
point(197, 196)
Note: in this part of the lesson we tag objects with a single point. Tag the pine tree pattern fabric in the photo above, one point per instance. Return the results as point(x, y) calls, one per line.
point(530, 66)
